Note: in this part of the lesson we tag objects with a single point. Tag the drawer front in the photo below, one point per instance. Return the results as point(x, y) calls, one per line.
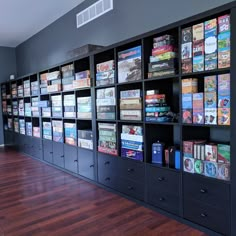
point(108, 180)
point(27, 145)
point(38, 150)
point(71, 160)
point(208, 191)
point(163, 200)
point(132, 188)
point(132, 170)
point(216, 219)
point(47, 151)
point(108, 163)
point(58, 154)
point(163, 180)
point(86, 163)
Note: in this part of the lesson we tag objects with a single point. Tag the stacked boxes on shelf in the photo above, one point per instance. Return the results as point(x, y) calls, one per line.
point(57, 106)
point(15, 108)
point(163, 60)
point(105, 74)
point(84, 108)
point(36, 131)
point(186, 50)
point(21, 107)
point(46, 109)
point(20, 91)
point(130, 65)
point(209, 159)
point(57, 130)
point(9, 110)
point(132, 142)
point(107, 141)
point(69, 106)
point(70, 133)
point(35, 106)
point(22, 126)
point(34, 88)
point(131, 105)
point(27, 109)
point(53, 82)
point(106, 104)
point(26, 88)
point(28, 128)
point(43, 83)
point(47, 130)
point(16, 125)
point(67, 77)
point(156, 109)
point(82, 80)
point(85, 139)
point(14, 90)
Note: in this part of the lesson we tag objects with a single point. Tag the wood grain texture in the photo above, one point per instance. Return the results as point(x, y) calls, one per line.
point(36, 199)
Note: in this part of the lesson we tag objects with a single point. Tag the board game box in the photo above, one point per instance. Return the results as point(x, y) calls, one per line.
point(210, 28)
point(198, 31)
point(211, 169)
point(210, 83)
point(223, 153)
point(224, 23)
point(188, 164)
point(224, 171)
point(199, 167)
point(211, 116)
point(223, 116)
point(187, 35)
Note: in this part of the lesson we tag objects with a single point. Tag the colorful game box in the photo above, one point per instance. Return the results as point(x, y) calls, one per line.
point(210, 28)
point(188, 164)
point(210, 83)
point(198, 108)
point(211, 169)
point(224, 23)
point(223, 116)
point(210, 100)
point(199, 167)
point(189, 86)
point(198, 31)
point(224, 171)
point(211, 152)
point(223, 153)
point(187, 106)
point(211, 116)
point(187, 35)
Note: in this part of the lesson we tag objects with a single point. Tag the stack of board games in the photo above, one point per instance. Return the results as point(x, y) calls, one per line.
point(27, 109)
point(16, 125)
point(9, 124)
point(26, 88)
point(4, 107)
point(131, 105)
point(36, 131)
point(130, 65)
point(53, 81)
point(15, 108)
point(35, 106)
point(85, 139)
point(69, 106)
point(21, 107)
point(46, 109)
point(163, 60)
point(70, 133)
point(67, 77)
point(34, 88)
point(47, 130)
point(22, 126)
point(106, 104)
point(28, 128)
point(43, 83)
point(82, 80)
point(156, 109)
point(56, 106)
point(107, 141)
point(206, 46)
point(14, 90)
point(208, 159)
point(132, 142)
point(9, 110)
point(57, 130)
point(105, 74)
point(84, 108)
point(20, 91)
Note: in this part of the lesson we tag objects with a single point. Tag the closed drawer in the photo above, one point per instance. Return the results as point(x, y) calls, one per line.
point(163, 180)
point(216, 219)
point(132, 170)
point(163, 200)
point(107, 162)
point(209, 191)
point(109, 180)
point(58, 154)
point(71, 159)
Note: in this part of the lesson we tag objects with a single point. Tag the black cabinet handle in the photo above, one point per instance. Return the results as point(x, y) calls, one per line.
point(203, 215)
point(161, 199)
point(107, 179)
point(32, 146)
point(51, 152)
point(130, 170)
point(130, 188)
point(62, 156)
point(161, 178)
point(203, 190)
point(91, 166)
point(75, 160)
point(107, 163)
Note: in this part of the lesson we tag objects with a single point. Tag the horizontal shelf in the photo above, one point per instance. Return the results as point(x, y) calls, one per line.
point(164, 167)
point(81, 89)
point(130, 121)
point(130, 82)
point(79, 119)
point(105, 120)
point(105, 86)
point(207, 72)
point(176, 76)
point(208, 126)
point(162, 123)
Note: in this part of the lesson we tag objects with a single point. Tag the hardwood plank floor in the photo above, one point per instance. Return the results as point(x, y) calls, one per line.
point(36, 199)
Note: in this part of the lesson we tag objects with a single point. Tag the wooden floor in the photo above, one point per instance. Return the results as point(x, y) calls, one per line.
point(36, 199)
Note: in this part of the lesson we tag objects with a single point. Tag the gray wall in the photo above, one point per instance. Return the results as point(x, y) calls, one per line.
point(8, 67)
point(129, 18)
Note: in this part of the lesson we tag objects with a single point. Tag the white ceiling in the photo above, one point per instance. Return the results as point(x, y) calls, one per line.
point(21, 19)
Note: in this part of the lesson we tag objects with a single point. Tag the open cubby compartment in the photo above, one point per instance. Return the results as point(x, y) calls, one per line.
point(67, 76)
point(9, 107)
point(57, 110)
point(103, 57)
point(35, 91)
point(46, 128)
point(28, 126)
point(27, 106)
point(36, 126)
point(57, 130)
point(82, 64)
point(131, 147)
point(86, 138)
point(169, 135)
point(125, 87)
point(14, 88)
point(128, 72)
point(69, 104)
point(19, 82)
point(149, 45)
point(48, 111)
point(26, 86)
point(170, 87)
point(8, 91)
point(70, 131)
point(85, 105)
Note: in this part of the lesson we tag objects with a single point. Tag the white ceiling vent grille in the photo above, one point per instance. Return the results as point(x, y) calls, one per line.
point(94, 11)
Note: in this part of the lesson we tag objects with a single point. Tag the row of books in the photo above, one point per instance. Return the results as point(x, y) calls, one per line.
point(209, 107)
point(209, 159)
point(206, 46)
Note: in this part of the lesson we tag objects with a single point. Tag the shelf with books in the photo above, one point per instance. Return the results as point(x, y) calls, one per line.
point(68, 77)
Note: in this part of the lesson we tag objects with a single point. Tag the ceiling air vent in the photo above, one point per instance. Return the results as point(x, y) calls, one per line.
point(94, 11)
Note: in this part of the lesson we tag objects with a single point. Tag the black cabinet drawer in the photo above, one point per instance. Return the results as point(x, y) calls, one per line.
point(58, 154)
point(108, 180)
point(164, 200)
point(132, 170)
point(86, 163)
point(108, 163)
point(27, 145)
point(216, 219)
point(163, 180)
point(47, 151)
point(37, 148)
point(71, 160)
point(209, 191)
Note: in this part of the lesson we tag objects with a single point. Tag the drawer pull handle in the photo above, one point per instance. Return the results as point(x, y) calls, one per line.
point(51, 152)
point(161, 199)
point(75, 160)
point(130, 170)
point(160, 178)
point(32, 146)
point(91, 166)
point(62, 156)
point(107, 179)
point(130, 188)
point(107, 163)
point(203, 191)
point(203, 215)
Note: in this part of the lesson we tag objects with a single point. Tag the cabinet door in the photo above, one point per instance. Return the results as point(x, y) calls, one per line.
point(71, 160)
point(47, 151)
point(21, 142)
point(86, 163)
point(58, 154)
point(37, 148)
